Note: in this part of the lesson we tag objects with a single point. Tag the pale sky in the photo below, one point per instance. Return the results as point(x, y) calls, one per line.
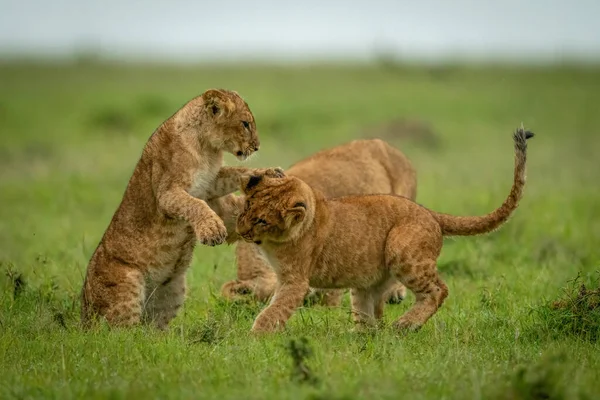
point(240, 29)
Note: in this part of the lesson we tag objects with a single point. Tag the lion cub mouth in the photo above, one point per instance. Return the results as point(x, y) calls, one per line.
point(243, 155)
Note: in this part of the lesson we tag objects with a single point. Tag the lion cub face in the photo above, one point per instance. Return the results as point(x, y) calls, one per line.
point(276, 209)
point(230, 123)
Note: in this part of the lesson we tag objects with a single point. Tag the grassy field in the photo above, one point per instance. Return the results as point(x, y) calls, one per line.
point(71, 136)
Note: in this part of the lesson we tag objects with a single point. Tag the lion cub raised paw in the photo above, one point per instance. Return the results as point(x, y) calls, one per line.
point(211, 231)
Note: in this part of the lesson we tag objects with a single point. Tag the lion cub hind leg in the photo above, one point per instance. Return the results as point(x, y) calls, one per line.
point(363, 307)
point(412, 257)
point(115, 292)
point(396, 293)
point(164, 301)
point(430, 292)
point(165, 294)
point(368, 304)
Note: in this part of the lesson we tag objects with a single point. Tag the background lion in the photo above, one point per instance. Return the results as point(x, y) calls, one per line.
point(357, 167)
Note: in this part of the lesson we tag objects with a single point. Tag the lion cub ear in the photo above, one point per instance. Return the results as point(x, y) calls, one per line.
point(295, 214)
point(217, 103)
point(248, 182)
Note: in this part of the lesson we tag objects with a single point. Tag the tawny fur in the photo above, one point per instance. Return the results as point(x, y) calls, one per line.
point(358, 167)
point(137, 272)
point(365, 243)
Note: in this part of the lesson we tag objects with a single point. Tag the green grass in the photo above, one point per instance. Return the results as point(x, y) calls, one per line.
point(71, 136)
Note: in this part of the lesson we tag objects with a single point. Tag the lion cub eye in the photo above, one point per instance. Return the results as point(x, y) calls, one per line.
point(246, 124)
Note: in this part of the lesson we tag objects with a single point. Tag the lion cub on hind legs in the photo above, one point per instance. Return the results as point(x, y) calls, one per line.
point(361, 242)
point(137, 272)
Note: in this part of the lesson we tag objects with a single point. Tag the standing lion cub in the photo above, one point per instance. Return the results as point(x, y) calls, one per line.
point(366, 243)
point(138, 269)
point(358, 167)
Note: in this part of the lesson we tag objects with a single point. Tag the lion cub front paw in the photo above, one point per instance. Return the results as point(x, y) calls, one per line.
point(265, 325)
point(276, 172)
point(211, 231)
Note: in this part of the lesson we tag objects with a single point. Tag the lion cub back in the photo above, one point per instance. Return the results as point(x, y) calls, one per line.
point(360, 167)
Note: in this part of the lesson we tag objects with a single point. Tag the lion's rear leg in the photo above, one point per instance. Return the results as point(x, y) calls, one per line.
point(368, 304)
point(395, 293)
point(363, 307)
point(165, 300)
point(412, 259)
point(114, 291)
point(430, 292)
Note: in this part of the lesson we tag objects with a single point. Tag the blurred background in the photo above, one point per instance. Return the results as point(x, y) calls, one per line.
point(84, 84)
point(270, 30)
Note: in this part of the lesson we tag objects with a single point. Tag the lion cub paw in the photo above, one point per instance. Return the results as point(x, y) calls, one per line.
point(211, 231)
point(405, 326)
point(396, 295)
point(276, 172)
point(265, 325)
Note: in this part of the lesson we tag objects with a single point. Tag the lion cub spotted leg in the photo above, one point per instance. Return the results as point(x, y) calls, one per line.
point(368, 304)
point(117, 294)
point(385, 294)
point(430, 292)
point(165, 298)
point(288, 297)
point(363, 307)
point(412, 257)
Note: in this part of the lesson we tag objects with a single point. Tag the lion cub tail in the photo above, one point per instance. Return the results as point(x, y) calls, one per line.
point(467, 226)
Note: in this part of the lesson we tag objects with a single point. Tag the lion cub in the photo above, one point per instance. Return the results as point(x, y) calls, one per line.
point(358, 167)
point(361, 242)
point(138, 269)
